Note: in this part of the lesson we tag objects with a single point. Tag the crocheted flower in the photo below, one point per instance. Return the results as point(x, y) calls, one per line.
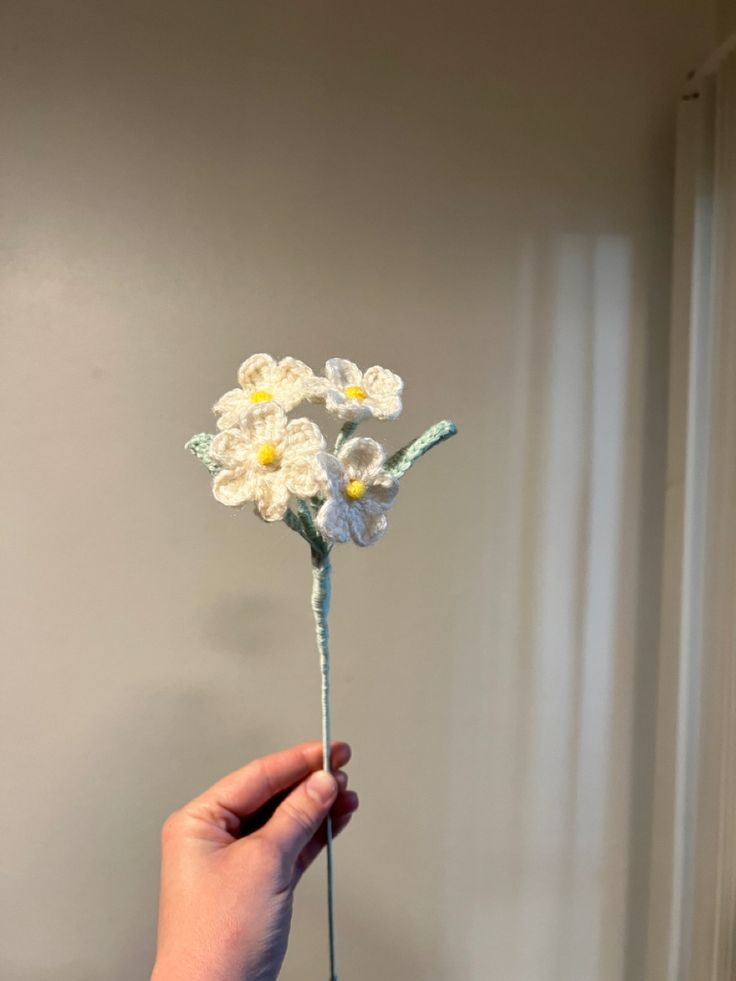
point(265, 459)
point(262, 379)
point(352, 395)
point(360, 492)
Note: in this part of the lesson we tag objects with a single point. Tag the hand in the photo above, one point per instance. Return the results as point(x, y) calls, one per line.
point(231, 860)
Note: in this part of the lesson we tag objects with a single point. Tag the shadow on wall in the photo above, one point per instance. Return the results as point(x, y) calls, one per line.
point(109, 856)
point(570, 631)
point(70, 969)
point(236, 624)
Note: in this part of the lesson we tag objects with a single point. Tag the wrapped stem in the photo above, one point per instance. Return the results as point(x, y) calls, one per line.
point(345, 434)
point(321, 570)
point(408, 455)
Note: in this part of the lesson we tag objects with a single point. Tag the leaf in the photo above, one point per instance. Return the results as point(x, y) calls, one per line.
point(199, 446)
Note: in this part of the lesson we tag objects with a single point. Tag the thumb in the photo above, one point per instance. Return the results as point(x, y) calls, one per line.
point(297, 818)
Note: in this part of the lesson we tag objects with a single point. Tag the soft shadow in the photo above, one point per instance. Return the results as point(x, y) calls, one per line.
point(241, 624)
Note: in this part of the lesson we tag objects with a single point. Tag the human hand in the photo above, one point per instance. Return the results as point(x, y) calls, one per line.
point(232, 857)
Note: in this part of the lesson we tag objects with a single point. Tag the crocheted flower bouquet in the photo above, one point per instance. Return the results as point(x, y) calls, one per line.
point(283, 467)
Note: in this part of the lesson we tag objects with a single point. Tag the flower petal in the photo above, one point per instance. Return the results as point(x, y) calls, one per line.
point(367, 522)
point(272, 497)
point(230, 406)
point(291, 380)
point(231, 448)
point(304, 436)
point(384, 407)
point(234, 487)
point(382, 489)
point(302, 471)
point(333, 474)
point(361, 457)
point(349, 410)
point(316, 389)
point(332, 521)
point(341, 373)
point(256, 373)
point(264, 422)
point(303, 475)
point(381, 381)
point(292, 371)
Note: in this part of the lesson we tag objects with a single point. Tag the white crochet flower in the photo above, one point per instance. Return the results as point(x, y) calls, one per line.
point(262, 379)
point(265, 459)
point(352, 395)
point(360, 492)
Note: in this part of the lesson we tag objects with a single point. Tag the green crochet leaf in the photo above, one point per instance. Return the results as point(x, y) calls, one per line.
point(408, 455)
point(199, 445)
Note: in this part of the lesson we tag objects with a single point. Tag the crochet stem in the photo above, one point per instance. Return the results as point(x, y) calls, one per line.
point(320, 607)
point(345, 434)
point(408, 455)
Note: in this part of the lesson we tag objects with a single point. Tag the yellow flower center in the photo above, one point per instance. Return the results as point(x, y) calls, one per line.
point(355, 490)
point(261, 396)
point(355, 392)
point(267, 454)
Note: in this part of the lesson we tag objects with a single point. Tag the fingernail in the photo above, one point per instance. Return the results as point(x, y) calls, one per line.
point(342, 779)
point(322, 787)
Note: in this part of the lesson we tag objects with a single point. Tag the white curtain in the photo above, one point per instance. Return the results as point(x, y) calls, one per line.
point(693, 897)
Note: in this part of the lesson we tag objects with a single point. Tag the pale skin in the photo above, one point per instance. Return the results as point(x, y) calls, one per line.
point(232, 857)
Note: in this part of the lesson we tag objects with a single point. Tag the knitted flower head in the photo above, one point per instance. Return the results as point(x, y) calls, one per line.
point(262, 379)
point(281, 466)
point(352, 395)
point(265, 459)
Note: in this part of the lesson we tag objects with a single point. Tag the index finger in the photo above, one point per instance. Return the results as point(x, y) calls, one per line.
point(247, 789)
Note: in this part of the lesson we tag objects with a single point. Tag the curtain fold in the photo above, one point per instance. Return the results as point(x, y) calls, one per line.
point(693, 896)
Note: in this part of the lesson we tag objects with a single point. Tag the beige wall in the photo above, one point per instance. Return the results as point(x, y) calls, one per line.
point(726, 17)
point(475, 194)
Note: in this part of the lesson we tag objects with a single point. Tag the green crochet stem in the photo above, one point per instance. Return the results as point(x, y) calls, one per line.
point(321, 570)
point(408, 455)
point(293, 522)
point(345, 433)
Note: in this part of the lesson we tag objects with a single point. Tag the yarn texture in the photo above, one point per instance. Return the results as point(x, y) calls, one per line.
point(351, 395)
point(266, 460)
point(360, 493)
point(262, 379)
point(321, 570)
